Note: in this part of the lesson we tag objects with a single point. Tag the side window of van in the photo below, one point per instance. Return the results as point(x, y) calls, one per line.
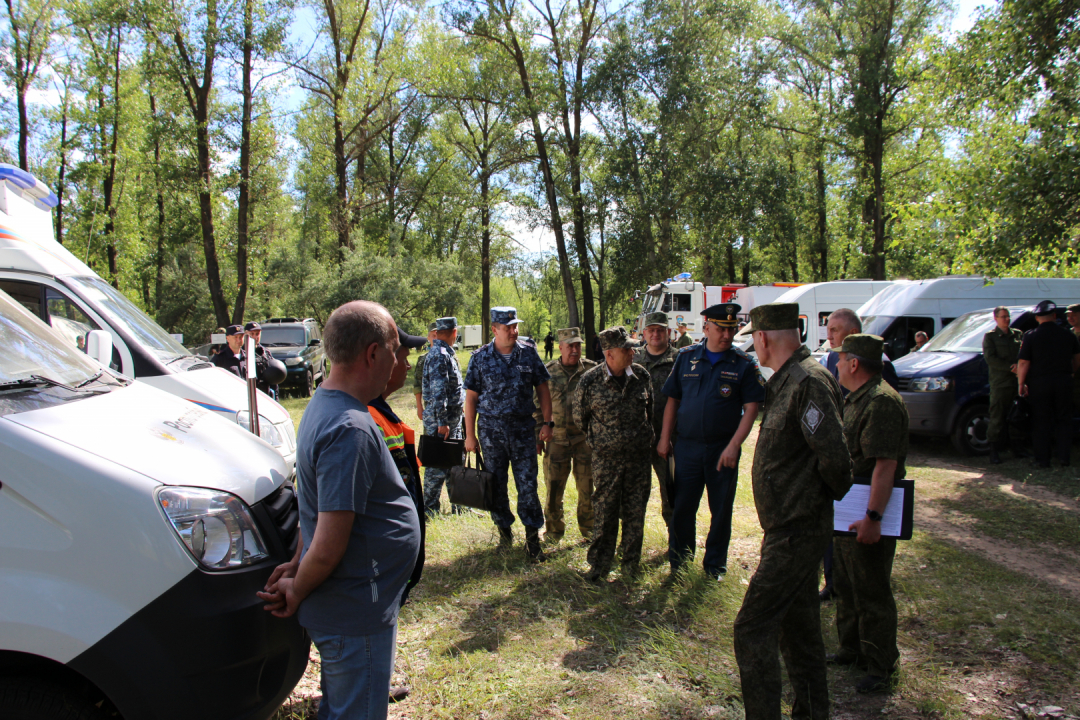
point(900, 337)
point(67, 318)
point(27, 294)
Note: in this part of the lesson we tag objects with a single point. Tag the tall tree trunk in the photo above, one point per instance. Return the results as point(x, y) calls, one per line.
point(340, 215)
point(159, 250)
point(62, 172)
point(822, 215)
point(109, 182)
point(243, 201)
point(485, 249)
point(731, 263)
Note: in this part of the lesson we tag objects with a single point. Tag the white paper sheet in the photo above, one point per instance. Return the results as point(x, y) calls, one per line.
point(853, 508)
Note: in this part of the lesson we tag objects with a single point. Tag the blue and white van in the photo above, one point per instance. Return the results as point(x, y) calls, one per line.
point(66, 294)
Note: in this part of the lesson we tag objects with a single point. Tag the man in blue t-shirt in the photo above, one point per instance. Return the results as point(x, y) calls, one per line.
point(359, 525)
point(714, 392)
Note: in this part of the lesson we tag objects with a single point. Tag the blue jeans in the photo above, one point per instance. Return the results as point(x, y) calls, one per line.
point(356, 672)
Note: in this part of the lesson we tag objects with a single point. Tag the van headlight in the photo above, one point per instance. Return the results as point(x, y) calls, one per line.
point(267, 431)
point(215, 526)
point(930, 384)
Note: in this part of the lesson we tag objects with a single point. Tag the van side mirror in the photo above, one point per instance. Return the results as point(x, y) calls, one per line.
point(99, 346)
point(314, 342)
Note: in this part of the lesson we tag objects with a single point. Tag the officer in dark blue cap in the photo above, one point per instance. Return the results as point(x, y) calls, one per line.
point(1049, 355)
point(714, 392)
point(499, 384)
point(229, 357)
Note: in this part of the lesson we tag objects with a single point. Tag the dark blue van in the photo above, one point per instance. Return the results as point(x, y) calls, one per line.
point(946, 385)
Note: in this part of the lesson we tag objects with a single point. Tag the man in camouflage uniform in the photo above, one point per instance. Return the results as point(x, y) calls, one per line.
point(876, 431)
point(418, 374)
point(613, 406)
point(801, 465)
point(444, 405)
point(657, 356)
point(499, 384)
point(567, 446)
point(1001, 347)
point(684, 338)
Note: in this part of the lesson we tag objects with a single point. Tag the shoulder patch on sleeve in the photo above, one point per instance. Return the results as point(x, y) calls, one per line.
point(812, 416)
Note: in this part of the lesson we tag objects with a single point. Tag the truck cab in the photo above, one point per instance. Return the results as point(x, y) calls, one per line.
point(69, 296)
point(135, 530)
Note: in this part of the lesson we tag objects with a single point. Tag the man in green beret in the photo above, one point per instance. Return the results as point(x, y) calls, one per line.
point(658, 357)
point(613, 406)
point(567, 448)
point(876, 432)
point(418, 373)
point(801, 464)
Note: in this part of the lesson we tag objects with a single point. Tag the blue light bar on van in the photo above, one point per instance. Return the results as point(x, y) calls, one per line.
point(29, 184)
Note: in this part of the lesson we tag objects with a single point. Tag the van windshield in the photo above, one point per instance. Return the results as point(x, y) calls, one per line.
point(32, 350)
point(964, 334)
point(121, 311)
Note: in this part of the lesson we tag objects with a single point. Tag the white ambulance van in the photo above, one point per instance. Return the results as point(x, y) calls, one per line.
point(135, 530)
point(61, 290)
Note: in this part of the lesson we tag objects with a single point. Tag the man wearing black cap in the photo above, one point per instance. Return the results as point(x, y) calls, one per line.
point(1049, 355)
point(801, 464)
point(714, 392)
point(229, 356)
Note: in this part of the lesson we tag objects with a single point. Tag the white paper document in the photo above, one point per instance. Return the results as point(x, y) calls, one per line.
point(853, 508)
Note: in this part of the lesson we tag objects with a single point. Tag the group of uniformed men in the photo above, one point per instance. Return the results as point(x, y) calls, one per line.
point(233, 355)
point(684, 413)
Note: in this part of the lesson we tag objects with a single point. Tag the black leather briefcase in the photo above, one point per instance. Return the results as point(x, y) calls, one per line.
point(435, 452)
point(471, 486)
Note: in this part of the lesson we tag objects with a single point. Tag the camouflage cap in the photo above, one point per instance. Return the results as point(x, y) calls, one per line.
point(446, 323)
point(432, 327)
point(775, 316)
point(863, 345)
point(569, 335)
point(615, 337)
point(504, 315)
point(1073, 308)
point(656, 318)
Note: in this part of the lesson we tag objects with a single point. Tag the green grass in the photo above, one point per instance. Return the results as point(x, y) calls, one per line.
point(490, 635)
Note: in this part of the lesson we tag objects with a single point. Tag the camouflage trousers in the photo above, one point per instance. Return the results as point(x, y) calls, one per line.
point(781, 611)
point(865, 609)
point(434, 478)
point(620, 492)
point(506, 442)
point(558, 460)
point(662, 468)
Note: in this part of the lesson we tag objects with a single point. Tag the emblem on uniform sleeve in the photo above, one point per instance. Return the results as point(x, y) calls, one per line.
point(725, 390)
point(812, 417)
point(761, 380)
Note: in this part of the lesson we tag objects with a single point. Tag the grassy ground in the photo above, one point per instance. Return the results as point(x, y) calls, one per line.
point(488, 635)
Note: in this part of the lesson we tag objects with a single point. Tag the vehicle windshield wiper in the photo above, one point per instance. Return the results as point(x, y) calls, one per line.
point(178, 357)
point(32, 381)
point(90, 379)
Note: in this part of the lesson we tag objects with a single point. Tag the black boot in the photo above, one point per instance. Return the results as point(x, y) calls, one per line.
point(532, 545)
point(506, 538)
point(995, 459)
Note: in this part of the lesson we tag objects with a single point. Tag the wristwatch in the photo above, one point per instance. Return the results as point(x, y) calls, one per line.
point(873, 515)
point(550, 424)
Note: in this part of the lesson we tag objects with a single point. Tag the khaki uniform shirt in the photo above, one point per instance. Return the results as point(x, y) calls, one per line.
point(616, 413)
point(659, 367)
point(683, 341)
point(876, 426)
point(563, 386)
point(1000, 350)
point(801, 463)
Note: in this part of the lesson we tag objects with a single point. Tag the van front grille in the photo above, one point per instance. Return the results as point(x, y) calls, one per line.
point(279, 516)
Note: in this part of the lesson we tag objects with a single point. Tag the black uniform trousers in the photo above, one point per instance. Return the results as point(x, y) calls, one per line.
point(1050, 399)
point(695, 472)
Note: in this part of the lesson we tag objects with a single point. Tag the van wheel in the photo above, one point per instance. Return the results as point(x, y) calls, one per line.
point(31, 699)
point(970, 434)
point(309, 384)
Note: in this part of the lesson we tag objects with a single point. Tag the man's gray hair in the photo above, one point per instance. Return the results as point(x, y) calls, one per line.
point(353, 327)
point(849, 317)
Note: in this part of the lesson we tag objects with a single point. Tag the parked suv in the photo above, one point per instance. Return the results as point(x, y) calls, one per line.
point(946, 385)
point(297, 342)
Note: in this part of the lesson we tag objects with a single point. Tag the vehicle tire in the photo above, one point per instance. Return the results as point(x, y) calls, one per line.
point(33, 699)
point(969, 435)
point(309, 383)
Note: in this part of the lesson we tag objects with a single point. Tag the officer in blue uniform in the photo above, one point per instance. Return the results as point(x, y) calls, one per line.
point(714, 393)
point(444, 405)
point(499, 383)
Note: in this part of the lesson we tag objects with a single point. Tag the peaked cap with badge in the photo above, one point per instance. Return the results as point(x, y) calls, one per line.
point(504, 315)
point(723, 315)
point(569, 335)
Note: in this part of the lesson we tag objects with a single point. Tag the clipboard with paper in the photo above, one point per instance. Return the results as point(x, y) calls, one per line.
point(896, 521)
